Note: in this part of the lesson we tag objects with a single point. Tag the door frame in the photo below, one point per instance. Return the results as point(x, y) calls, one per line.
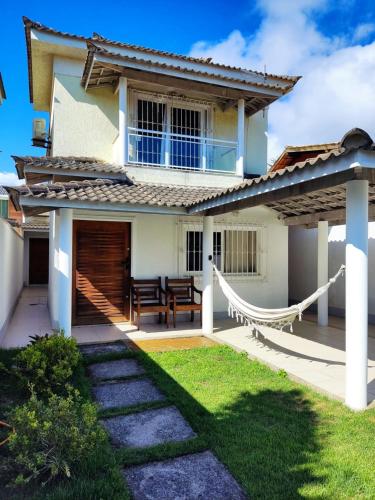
point(125, 318)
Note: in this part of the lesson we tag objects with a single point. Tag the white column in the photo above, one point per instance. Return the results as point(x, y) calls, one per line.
point(356, 294)
point(208, 299)
point(240, 137)
point(53, 267)
point(65, 270)
point(122, 119)
point(323, 271)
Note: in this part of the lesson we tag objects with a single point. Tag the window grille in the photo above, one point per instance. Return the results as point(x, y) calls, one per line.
point(236, 250)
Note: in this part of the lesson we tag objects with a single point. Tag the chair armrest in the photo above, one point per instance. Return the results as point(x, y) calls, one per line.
point(197, 291)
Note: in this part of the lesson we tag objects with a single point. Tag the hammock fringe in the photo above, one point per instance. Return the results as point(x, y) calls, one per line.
point(254, 316)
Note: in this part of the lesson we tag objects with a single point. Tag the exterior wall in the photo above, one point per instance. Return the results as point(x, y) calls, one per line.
point(11, 272)
point(86, 123)
point(303, 266)
point(156, 250)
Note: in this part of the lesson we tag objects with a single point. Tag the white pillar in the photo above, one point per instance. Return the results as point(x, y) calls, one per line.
point(240, 137)
point(53, 277)
point(356, 294)
point(323, 271)
point(65, 270)
point(122, 119)
point(207, 299)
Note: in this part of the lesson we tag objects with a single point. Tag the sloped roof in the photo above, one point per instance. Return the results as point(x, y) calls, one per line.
point(293, 154)
point(95, 37)
point(353, 140)
point(66, 164)
point(109, 191)
point(36, 223)
point(97, 50)
point(3, 192)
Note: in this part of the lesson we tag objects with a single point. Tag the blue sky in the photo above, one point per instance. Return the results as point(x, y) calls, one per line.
point(315, 32)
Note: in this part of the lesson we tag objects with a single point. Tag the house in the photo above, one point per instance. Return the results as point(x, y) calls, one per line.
point(156, 163)
point(136, 135)
point(295, 154)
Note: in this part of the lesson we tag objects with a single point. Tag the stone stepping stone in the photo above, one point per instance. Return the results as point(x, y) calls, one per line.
point(104, 348)
point(196, 476)
point(148, 428)
point(126, 393)
point(115, 369)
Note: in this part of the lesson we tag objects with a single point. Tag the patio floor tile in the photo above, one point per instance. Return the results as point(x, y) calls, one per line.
point(115, 369)
point(189, 477)
point(148, 428)
point(126, 393)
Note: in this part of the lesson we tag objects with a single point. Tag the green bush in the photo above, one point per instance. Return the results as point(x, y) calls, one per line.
point(48, 364)
point(53, 436)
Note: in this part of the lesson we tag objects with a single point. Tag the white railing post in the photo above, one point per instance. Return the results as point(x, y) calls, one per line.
point(122, 119)
point(323, 271)
point(240, 137)
point(356, 294)
point(207, 298)
point(65, 270)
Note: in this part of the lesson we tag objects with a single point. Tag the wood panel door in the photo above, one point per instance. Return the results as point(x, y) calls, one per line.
point(38, 261)
point(101, 272)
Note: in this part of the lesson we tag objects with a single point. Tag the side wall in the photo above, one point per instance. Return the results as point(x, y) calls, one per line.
point(11, 272)
point(303, 266)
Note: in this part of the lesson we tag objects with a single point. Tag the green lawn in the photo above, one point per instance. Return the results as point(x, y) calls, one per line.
point(278, 438)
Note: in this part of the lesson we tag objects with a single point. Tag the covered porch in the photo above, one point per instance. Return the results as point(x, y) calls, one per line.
point(336, 187)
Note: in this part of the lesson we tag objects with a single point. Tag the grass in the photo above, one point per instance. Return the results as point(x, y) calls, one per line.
point(278, 438)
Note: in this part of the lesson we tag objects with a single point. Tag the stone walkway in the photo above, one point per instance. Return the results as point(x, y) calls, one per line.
point(122, 384)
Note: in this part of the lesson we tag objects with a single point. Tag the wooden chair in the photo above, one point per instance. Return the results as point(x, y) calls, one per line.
point(181, 294)
point(146, 297)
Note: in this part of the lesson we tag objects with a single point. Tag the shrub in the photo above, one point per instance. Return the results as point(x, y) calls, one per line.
point(53, 436)
point(48, 364)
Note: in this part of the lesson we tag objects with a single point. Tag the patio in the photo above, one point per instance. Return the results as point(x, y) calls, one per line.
point(313, 355)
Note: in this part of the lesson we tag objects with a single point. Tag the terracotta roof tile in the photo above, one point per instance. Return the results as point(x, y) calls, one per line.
point(68, 163)
point(96, 38)
point(108, 191)
point(95, 49)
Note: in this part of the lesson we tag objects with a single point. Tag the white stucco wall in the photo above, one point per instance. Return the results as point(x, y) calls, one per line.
point(86, 123)
point(83, 123)
point(11, 272)
point(303, 266)
point(156, 250)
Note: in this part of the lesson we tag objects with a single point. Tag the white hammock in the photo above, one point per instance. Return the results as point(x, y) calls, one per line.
point(279, 318)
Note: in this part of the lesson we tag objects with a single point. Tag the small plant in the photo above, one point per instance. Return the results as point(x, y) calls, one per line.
point(48, 364)
point(282, 374)
point(53, 436)
point(37, 338)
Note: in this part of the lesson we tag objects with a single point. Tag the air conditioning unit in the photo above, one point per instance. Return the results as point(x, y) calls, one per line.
point(39, 129)
point(40, 135)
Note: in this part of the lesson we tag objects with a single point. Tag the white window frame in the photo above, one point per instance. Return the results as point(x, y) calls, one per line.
point(205, 109)
point(222, 227)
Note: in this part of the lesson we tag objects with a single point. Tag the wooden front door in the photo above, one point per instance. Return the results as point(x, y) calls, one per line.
point(101, 272)
point(38, 261)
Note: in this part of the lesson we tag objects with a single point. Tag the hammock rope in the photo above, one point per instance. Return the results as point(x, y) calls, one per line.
point(254, 316)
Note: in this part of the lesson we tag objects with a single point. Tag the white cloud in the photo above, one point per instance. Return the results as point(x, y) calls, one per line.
point(363, 31)
point(337, 88)
point(9, 179)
